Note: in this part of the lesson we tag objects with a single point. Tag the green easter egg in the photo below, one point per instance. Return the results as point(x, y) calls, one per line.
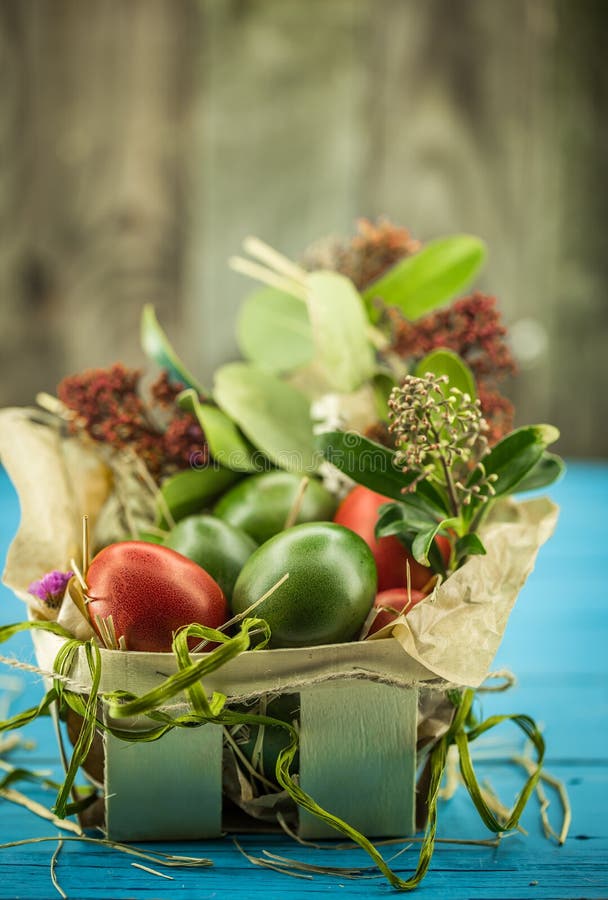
point(329, 592)
point(261, 504)
point(218, 547)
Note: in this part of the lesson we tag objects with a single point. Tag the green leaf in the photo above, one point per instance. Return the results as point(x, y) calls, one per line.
point(272, 414)
point(227, 445)
point(437, 273)
point(273, 331)
point(515, 456)
point(339, 328)
point(547, 470)
point(191, 491)
point(397, 518)
point(423, 541)
point(156, 346)
point(365, 461)
point(469, 545)
point(373, 466)
point(445, 362)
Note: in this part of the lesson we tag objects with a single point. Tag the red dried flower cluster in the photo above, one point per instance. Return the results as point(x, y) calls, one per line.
point(110, 408)
point(365, 257)
point(471, 327)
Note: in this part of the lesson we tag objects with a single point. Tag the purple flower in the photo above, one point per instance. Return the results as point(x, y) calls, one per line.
point(51, 588)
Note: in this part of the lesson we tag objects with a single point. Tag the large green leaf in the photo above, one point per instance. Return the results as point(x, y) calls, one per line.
point(516, 456)
point(446, 362)
point(227, 444)
point(547, 470)
point(192, 490)
point(273, 331)
point(340, 330)
point(373, 466)
point(157, 347)
point(272, 414)
point(437, 273)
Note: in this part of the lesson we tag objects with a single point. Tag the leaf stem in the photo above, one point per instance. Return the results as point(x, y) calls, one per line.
point(449, 481)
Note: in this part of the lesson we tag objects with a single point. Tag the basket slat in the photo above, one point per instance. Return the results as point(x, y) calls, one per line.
point(358, 757)
point(170, 789)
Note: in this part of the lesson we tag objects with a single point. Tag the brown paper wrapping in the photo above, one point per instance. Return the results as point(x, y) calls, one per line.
point(457, 630)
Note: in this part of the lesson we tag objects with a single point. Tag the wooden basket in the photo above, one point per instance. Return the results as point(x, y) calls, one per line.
point(358, 739)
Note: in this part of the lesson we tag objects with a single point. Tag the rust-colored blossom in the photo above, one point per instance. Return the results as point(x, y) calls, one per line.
point(498, 412)
point(164, 391)
point(109, 406)
point(375, 248)
point(182, 440)
point(472, 327)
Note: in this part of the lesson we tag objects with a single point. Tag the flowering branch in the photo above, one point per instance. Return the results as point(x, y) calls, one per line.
point(440, 436)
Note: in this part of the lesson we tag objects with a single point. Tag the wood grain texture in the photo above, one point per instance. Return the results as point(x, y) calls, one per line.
point(140, 142)
point(95, 179)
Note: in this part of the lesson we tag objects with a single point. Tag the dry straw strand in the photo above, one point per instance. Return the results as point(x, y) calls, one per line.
point(54, 858)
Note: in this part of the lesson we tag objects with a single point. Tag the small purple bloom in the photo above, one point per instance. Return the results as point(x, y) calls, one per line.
point(51, 588)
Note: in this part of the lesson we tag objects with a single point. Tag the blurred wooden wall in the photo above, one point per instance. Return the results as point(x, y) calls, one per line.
point(141, 140)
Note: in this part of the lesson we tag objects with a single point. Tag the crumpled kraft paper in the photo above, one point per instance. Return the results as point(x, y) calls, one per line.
point(457, 630)
point(58, 480)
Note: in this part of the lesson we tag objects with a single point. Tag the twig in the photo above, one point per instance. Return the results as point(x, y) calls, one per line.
point(79, 576)
point(480, 842)
point(246, 612)
point(274, 260)
point(250, 768)
point(267, 276)
point(154, 489)
point(169, 860)
point(152, 871)
point(56, 884)
point(509, 681)
point(296, 506)
point(86, 553)
point(266, 864)
point(38, 809)
point(103, 631)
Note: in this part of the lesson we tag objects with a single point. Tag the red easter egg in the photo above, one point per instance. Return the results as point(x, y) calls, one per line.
point(359, 512)
point(150, 591)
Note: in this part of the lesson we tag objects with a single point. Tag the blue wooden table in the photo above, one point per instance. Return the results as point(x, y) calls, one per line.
point(556, 642)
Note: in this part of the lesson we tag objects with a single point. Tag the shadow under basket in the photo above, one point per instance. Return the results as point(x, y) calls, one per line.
point(358, 731)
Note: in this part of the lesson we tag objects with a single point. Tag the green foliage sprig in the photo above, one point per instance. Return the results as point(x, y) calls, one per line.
point(443, 476)
point(301, 334)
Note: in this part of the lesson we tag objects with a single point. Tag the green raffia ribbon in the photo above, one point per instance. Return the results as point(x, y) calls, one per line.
point(42, 709)
point(122, 704)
